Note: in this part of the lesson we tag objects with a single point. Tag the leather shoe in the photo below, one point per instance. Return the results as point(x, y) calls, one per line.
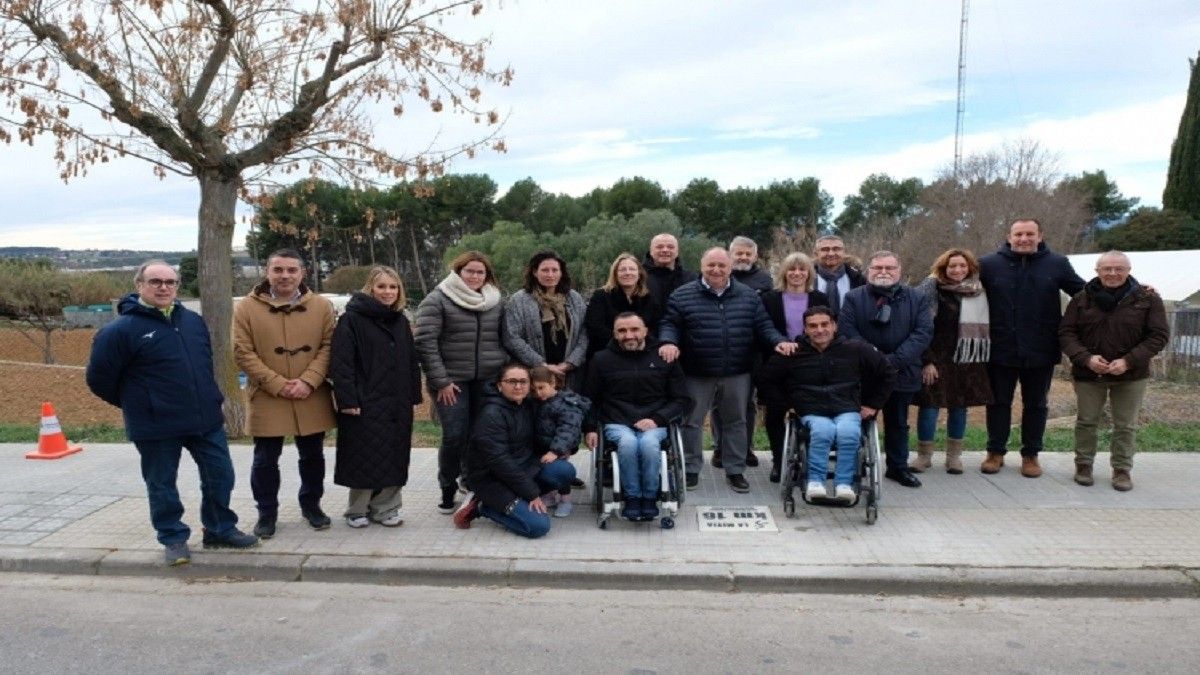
point(1030, 467)
point(776, 473)
point(992, 463)
point(265, 527)
point(316, 518)
point(692, 481)
point(751, 459)
point(716, 459)
point(903, 477)
point(738, 483)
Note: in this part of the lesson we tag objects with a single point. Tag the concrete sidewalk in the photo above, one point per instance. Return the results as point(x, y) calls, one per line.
point(969, 534)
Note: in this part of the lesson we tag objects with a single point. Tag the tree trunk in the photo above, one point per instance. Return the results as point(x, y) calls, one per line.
point(218, 201)
point(412, 238)
point(48, 347)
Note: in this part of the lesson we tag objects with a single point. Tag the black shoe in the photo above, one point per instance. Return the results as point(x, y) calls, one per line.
point(265, 527)
point(693, 481)
point(649, 508)
point(235, 539)
point(316, 518)
point(738, 483)
point(776, 473)
point(447, 505)
point(577, 484)
point(751, 459)
point(633, 509)
point(903, 477)
point(716, 459)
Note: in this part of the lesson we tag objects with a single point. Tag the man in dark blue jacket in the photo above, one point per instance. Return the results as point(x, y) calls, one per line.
point(714, 325)
point(1023, 281)
point(897, 319)
point(155, 363)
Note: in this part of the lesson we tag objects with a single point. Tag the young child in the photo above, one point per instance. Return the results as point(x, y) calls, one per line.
point(559, 428)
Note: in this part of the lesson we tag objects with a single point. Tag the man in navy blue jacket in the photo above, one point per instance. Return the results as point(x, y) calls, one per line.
point(714, 326)
point(897, 319)
point(155, 363)
point(1023, 281)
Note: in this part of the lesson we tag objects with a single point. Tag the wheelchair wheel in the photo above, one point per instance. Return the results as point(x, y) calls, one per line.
point(789, 507)
point(787, 483)
point(675, 454)
point(597, 478)
point(872, 509)
point(666, 523)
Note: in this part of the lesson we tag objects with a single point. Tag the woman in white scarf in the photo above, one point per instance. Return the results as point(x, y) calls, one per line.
point(458, 339)
point(955, 365)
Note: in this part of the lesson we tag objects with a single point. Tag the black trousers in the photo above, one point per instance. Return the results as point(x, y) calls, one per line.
point(1035, 390)
point(264, 471)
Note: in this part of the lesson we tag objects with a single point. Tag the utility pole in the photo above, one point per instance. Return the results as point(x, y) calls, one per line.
point(962, 93)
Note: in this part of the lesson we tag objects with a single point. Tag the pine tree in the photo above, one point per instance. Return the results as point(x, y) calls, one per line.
point(1183, 175)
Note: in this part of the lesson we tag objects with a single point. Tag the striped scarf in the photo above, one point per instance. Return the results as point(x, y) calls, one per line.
point(974, 339)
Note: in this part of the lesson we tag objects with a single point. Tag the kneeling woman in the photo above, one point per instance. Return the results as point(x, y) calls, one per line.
point(503, 467)
point(376, 381)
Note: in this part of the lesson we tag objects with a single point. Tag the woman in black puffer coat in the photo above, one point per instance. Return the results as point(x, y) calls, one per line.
point(376, 383)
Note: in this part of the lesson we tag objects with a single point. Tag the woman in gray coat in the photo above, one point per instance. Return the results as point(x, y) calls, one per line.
point(458, 339)
point(543, 323)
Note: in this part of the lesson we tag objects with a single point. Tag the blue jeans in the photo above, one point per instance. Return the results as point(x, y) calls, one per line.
point(638, 457)
point(160, 466)
point(264, 472)
point(456, 430)
point(846, 429)
point(523, 520)
point(956, 423)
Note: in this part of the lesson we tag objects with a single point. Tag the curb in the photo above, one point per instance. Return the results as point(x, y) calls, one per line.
point(618, 575)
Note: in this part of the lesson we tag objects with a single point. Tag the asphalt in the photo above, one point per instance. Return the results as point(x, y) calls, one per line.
point(958, 535)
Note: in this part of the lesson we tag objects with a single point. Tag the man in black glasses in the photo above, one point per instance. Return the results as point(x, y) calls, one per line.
point(281, 339)
point(155, 363)
point(898, 320)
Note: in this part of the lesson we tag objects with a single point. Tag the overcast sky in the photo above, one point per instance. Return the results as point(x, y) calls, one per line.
point(744, 93)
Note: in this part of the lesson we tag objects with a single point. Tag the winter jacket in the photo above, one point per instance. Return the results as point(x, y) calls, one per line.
point(663, 281)
point(627, 386)
point(275, 341)
point(157, 370)
point(773, 303)
point(903, 339)
point(522, 332)
point(1135, 330)
point(560, 423)
point(1024, 304)
point(959, 385)
point(502, 459)
point(756, 278)
point(603, 309)
point(458, 344)
point(848, 375)
point(717, 335)
point(373, 368)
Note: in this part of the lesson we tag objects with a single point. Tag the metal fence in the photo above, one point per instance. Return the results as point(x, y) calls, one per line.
point(1180, 361)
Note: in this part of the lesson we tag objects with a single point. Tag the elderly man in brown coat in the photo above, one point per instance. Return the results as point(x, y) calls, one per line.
point(1110, 331)
point(281, 339)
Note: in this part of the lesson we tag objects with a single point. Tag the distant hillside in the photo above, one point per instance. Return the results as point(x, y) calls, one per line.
point(90, 259)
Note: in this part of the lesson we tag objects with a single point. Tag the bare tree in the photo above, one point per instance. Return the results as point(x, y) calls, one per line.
point(233, 92)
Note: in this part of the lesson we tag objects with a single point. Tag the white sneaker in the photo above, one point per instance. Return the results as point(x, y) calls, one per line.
point(393, 519)
point(357, 521)
point(845, 493)
point(563, 509)
point(815, 490)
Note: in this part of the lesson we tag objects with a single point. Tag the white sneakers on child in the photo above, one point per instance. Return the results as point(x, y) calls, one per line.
point(815, 490)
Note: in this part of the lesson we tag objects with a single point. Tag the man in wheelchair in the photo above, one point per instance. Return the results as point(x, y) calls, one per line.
point(833, 383)
point(635, 394)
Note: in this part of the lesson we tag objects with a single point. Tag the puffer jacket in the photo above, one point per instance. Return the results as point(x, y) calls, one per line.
point(560, 423)
point(457, 344)
point(158, 371)
point(849, 374)
point(903, 339)
point(627, 386)
point(502, 459)
point(663, 281)
point(717, 335)
point(1135, 330)
point(1024, 304)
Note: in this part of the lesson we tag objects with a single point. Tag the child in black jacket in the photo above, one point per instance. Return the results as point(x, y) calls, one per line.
point(558, 428)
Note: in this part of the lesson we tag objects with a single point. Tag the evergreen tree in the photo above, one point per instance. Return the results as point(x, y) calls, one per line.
point(1183, 176)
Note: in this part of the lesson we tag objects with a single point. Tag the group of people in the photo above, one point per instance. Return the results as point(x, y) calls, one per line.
point(517, 383)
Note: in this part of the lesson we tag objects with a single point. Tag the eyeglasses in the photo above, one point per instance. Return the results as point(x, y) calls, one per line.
point(1111, 270)
point(513, 382)
point(160, 283)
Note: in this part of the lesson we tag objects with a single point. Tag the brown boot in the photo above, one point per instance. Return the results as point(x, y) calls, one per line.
point(954, 456)
point(992, 463)
point(924, 458)
point(1083, 474)
point(1030, 467)
point(1121, 480)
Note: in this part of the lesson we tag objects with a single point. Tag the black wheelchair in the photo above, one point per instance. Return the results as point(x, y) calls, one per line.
point(868, 488)
point(607, 495)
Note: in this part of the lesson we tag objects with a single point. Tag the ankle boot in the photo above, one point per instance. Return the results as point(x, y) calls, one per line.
point(924, 458)
point(1083, 474)
point(992, 463)
point(954, 448)
point(1030, 467)
point(1121, 480)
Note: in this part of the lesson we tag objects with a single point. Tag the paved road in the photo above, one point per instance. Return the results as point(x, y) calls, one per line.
point(126, 625)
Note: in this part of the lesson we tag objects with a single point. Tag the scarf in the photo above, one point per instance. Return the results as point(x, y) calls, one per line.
point(460, 294)
point(1107, 298)
point(554, 312)
point(974, 343)
point(831, 286)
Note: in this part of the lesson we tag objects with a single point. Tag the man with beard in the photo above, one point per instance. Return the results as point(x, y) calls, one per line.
point(636, 394)
point(834, 277)
point(664, 269)
point(897, 319)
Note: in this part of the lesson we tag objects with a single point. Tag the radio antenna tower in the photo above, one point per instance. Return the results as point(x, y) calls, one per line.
point(962, 94)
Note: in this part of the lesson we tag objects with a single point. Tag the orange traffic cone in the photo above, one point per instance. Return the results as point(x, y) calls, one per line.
point(52, 444)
